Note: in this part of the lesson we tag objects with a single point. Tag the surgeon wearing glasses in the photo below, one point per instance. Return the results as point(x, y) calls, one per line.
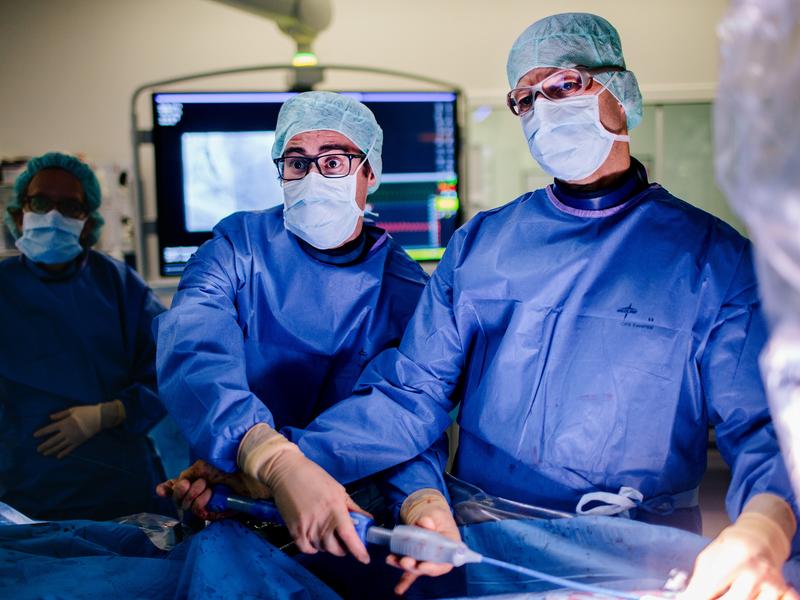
point(276, 316)
point(592, 331)
point(77, 365)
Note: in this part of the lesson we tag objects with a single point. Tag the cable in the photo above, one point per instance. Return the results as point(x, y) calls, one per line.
point(560, 581)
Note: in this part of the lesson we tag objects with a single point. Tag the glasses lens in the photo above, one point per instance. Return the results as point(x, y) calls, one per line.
point(562, 84)
point(40, 204)
point(72, 209)
point(520, 100)
point(293, 167)
point(334, 165)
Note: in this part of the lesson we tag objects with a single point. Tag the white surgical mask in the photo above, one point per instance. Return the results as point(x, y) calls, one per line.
point(321, 210)
point(50, 238)
point(567, 138)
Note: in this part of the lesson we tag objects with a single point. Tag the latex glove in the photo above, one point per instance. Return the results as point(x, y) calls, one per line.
point(429, 509)
point(75, 425)
point(746, 558)
point(313, 504)
point(191, 490)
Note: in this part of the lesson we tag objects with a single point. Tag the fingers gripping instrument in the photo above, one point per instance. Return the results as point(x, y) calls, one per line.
point(407, 540)
point(222, 499)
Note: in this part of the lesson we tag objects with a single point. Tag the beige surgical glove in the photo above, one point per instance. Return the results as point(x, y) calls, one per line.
point(313, 504)
point(425, 508)
point(192, 489)
point(75, 425)
point(746, 558)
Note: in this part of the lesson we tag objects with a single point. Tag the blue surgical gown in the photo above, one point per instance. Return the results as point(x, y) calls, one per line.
point(260, 331)
point(81, 337)
point(589, 350)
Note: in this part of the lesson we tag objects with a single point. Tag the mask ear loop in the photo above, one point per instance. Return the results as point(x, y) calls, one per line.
point(368, 214)
point(616, 136)
point(366, 155)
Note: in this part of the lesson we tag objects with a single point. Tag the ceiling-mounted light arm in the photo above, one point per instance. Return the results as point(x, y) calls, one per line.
point(301, 20)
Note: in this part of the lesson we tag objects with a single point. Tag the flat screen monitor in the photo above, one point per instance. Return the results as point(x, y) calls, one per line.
point(212, 158)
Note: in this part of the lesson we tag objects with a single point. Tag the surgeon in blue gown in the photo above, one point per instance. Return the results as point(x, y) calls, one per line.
point(591, 332)
point(276, 316)
point(77, 358)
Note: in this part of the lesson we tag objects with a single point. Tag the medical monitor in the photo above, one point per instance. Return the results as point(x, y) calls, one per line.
point(213, 158)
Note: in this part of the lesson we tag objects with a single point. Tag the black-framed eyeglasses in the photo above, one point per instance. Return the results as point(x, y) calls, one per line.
point(291, 168)
point(562, 84)
point(69, 207)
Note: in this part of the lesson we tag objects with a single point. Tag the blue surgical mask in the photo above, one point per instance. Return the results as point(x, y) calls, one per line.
point(567, 138)
point(50, 238)
point(321, 210)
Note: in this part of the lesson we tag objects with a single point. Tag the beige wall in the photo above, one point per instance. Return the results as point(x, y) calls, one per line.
point(68, 67)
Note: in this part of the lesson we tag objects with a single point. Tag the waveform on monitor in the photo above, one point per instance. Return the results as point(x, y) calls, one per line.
point(405, 226)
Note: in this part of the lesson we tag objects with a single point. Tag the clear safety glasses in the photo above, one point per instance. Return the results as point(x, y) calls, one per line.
point(291, 168)
point(558, 86)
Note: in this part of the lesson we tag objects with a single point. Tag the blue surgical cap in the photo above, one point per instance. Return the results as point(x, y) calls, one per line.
point(577, 39)
point(55, 160)
point(315, 111)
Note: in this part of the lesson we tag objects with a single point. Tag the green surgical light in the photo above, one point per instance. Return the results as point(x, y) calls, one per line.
point(304, 59)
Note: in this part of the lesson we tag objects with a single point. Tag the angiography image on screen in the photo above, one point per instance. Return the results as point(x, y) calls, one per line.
point(225, 172)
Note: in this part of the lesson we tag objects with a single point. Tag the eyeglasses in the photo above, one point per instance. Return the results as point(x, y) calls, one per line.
point(69, 207)
point(558, 86)
point(291, 168)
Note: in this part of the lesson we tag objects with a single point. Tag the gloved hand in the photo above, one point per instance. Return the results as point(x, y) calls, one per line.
point(746, 559)
point(424, 508)
point(313, 504)
point(75, 425)
point(191, 490)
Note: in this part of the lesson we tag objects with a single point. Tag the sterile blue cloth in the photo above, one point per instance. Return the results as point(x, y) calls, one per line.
point(589, 349)
point(618, 554)
point(81, 337)
point(261, 331)
point(82, 559)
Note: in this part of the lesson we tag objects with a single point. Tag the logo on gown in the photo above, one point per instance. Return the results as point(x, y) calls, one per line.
point(630, 310)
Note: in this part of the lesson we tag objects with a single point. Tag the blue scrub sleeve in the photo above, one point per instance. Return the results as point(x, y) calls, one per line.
point(735, 396)
point(143, 408)
point(401, 402)
point(423, 471)
point(200, 359)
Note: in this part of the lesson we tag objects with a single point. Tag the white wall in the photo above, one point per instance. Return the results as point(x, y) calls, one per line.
point(68, 67)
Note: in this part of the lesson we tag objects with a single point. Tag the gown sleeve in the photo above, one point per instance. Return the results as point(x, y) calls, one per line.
point(201, 358)
point(735, 397)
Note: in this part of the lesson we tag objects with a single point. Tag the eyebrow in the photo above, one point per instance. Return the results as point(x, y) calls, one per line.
point(341, 147)
point(323, 148)
point(299, 149)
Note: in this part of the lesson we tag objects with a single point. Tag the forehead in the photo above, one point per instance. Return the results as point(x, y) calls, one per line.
point(312, 141)
point(536, 75)
point(55, 182)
